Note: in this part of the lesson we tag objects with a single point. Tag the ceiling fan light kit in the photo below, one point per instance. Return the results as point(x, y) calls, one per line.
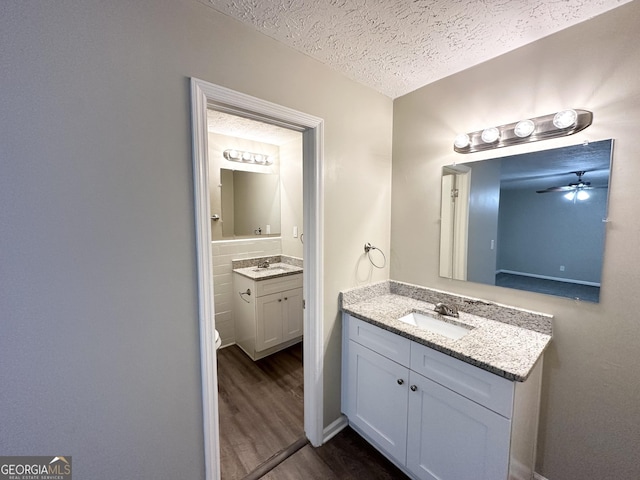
point(577, 195)
point(560, 124)
point(575, 190)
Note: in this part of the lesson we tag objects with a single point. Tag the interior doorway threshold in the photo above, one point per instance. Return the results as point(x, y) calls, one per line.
point(276, 459)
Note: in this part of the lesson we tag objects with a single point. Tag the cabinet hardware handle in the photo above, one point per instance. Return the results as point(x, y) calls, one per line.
point(400, 381)
point(279, 299)
point(413, 388)
point(285, 298)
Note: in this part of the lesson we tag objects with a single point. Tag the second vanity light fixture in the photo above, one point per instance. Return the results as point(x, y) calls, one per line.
point(247, 157)
point(565, 122)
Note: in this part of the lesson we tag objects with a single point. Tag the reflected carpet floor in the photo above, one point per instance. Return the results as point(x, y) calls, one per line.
point(550, 287)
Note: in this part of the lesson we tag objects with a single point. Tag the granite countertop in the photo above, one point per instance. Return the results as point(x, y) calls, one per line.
point(508, 344)
point(279, 266)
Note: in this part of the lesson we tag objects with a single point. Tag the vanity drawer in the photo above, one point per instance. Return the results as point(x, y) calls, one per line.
point(387, 344)
point(491, 391)
point(279, 284)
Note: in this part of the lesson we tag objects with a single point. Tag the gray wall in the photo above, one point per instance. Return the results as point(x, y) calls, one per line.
point(590, 409)
point(540, 232)
point(99, 341)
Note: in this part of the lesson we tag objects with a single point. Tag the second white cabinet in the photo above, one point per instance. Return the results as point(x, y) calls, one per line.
point(268, 314)
point(434, 416)
point(452, 437)
point(278, 318)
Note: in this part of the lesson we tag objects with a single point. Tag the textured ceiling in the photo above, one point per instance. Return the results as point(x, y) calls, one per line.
point(397, 46)
point(248, 129)
point(550, 168)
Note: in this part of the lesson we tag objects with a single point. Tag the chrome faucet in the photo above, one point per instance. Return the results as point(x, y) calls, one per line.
point(264, 264)
point(449, 310)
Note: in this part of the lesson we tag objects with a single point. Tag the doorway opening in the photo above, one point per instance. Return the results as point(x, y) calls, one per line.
point(255, 192)
point(206, 96)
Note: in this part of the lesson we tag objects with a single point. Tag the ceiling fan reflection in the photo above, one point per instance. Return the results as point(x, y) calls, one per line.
point(574, 187)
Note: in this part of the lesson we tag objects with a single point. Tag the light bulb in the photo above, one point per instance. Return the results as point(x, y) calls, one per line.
point(524, 128)
point(246, 156)
point(565, 118)
point(461, 140)
point(570, 196)
point(490, 135)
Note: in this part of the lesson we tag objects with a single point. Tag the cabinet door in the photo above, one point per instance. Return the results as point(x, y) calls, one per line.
point(292, 313)
point(453, 438)
point(377, 399)
point(269, 331)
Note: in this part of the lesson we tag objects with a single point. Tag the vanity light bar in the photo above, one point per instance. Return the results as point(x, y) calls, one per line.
point(247, 157)
point(560, 124)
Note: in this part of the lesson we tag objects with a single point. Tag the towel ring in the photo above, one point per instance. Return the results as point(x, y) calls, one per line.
point(367, 249)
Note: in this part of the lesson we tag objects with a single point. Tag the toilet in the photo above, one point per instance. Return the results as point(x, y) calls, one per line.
point(218, 340)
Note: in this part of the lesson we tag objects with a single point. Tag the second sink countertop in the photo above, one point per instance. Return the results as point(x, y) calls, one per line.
point(279, 266)
point(275, 270)
point(500, 348)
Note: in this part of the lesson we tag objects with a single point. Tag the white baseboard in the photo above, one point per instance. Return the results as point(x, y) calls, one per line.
point(537, 476)
point(334, 428)
point(547, 277)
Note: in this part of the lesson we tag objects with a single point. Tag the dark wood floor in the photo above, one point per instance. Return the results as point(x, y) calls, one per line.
point(261, 413)
point(345, 457)
point(260, 405)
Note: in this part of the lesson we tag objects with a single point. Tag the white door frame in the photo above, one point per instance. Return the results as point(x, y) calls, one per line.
point(454, 222)
point(207, 95)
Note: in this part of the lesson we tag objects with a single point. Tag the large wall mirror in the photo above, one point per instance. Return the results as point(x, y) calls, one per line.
point(250, 204)
point(533, 222)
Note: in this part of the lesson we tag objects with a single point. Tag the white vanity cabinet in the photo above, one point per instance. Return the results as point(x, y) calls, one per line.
point(436, 417)
point(452, 437)
point(270, 317)
point(278, 318)
point(377, 398)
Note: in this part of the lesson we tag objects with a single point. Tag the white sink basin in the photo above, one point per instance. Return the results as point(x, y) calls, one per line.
point(270, 269)
point(275, 268)
point(434, 325)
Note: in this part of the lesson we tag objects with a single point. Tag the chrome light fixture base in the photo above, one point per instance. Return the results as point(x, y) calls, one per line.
point(524, 131)
point(247, 157)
